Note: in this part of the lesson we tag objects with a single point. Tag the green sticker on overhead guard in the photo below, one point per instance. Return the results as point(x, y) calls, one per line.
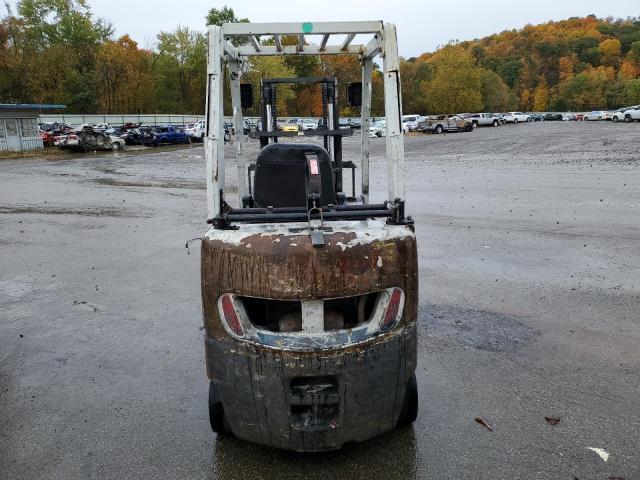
point(307, 27)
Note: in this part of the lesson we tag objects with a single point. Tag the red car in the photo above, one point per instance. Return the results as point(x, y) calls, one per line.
point(49, 137)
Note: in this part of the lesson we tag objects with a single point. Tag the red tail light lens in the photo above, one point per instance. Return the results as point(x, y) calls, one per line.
point(230, 316)
point(391, 314)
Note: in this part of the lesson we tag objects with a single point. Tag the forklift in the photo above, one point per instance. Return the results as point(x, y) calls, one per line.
point(309, 292)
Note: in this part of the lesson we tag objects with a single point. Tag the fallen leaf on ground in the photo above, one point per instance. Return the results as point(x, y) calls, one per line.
point(604, 455)
point(552, 420)
point(484, 424)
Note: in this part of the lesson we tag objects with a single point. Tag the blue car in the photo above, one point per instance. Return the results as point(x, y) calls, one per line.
point(168, 134)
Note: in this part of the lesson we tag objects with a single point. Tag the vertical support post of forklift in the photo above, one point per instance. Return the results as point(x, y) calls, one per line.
point(214, 138)
point(265, 112)
point(337, 140)
point(365, 121)
point(234, 74)
point(393, 110)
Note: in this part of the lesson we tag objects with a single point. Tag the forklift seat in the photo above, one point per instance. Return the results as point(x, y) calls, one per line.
point(281, 175)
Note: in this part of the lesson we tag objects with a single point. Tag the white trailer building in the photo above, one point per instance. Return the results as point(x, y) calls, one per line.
point(19, 125)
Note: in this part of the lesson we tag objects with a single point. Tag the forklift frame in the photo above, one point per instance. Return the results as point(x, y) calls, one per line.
point(222, 51)
point(309, 306)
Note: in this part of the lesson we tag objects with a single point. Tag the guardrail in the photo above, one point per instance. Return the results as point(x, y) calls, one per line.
point(117, 120)
point(146, 119)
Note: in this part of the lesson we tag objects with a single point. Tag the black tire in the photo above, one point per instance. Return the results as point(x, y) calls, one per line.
point(475, 124)
point(515, 120)
point(496, 123)
point(614, 119)
point(409, 411)
point(217, 418)
point(227, 137)
point(627, 118)
point(379, 134)
point(115, 146)
point(439, 129)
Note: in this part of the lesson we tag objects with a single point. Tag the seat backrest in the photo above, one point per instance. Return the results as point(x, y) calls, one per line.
point(281, 175)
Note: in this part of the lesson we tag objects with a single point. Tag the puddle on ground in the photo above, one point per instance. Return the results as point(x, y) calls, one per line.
point(13, 291)
point(481, 329)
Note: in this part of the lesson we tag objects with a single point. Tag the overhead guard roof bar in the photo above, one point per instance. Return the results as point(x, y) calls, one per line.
point(221, 50)
point(316, 28)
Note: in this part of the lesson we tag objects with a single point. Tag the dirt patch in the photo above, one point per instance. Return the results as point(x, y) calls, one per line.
point(187, 184)
point(86, 212)
point(481, 329)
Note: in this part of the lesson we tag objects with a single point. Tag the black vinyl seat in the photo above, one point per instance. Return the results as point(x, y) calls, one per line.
point(281, 175)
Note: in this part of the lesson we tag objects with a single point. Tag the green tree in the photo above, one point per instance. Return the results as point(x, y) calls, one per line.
point(455, 81)
point(585, 91)
point(496, 95)
point(218, 16)
point(181, 70)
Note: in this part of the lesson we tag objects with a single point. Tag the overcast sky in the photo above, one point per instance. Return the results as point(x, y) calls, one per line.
point(422, 25)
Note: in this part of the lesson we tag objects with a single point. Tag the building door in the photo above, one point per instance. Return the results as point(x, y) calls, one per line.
point(13, 134)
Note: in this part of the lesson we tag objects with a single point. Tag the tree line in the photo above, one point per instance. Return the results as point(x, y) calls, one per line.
point(56, 51)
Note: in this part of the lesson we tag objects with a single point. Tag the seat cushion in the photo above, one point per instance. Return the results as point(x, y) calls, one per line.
point(281, 175)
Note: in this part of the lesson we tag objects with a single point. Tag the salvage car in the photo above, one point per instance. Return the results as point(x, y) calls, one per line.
point(410, 126)
point(552, 117)
point(288, 127)
point(632, 114)
point(85, 138)
point(626, 114)
point(445, 123)
point(596, 115)
point(167, 134)
point(138, 135)
point(517, 117)
point(484, 120)
point(378, 129)
point(308, 124)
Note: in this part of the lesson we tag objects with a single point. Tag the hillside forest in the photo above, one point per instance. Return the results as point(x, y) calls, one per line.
point(56, 51)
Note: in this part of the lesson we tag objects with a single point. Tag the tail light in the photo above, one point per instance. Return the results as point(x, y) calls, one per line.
point(393, 308)
point(230, 315)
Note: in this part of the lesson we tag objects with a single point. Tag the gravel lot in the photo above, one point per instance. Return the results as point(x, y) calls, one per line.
point(529, 240)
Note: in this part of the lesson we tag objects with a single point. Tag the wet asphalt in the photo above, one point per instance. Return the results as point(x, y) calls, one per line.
point(529, 242)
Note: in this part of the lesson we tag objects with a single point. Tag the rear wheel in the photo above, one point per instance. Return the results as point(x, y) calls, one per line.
point(515, 120)
point(217, 418)
point(439, 129)
point(627, 118)
point(495, 123)
point(409, 411)
point(115, 146)
point(615, 119)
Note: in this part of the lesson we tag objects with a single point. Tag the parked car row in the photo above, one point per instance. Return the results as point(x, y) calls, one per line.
point(87, 138)
point(103, 136)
